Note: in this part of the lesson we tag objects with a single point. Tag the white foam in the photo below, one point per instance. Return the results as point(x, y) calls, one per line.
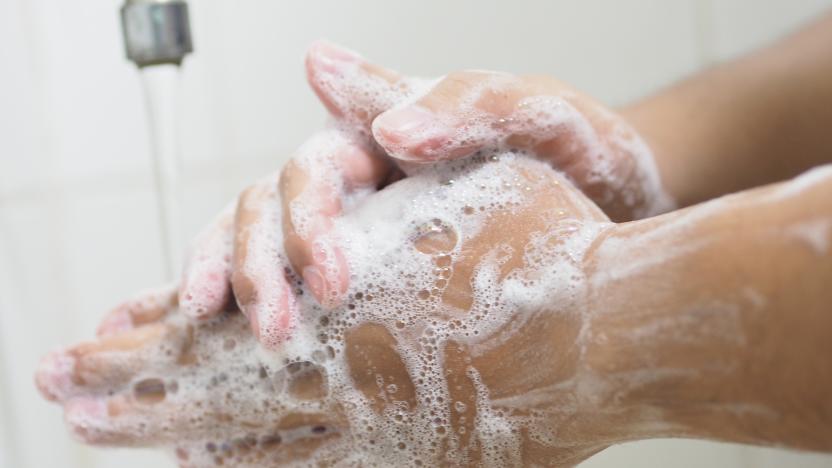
point(235, 376)
point(619, 161)
point(815, 234)
point(378, 240)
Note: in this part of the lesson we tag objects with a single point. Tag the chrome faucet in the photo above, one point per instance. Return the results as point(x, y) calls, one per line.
point(156, 31)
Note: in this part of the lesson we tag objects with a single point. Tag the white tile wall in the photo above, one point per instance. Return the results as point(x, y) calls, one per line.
point(78, 228)
point(740, 25)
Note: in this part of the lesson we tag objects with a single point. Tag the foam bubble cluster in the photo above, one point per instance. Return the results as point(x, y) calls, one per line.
point(393, 376)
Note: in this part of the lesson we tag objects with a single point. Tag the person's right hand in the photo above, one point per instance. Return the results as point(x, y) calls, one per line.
point(464, 339)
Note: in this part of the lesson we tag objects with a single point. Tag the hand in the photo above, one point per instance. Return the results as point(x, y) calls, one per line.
point(462, 338)
point(466, 112)
point(461, 114)
point(338, 168)
point(199, 389)
point(220, 262)
point(469, 111)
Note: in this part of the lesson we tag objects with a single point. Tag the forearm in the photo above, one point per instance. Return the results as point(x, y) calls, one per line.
point(760, 119)
point(719, 318)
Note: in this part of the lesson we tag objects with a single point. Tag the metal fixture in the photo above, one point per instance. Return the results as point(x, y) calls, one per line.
point(156, 31)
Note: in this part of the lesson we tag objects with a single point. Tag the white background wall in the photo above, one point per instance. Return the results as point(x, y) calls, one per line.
point(78, 226)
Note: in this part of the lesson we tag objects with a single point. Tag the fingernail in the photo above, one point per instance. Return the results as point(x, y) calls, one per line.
point(244, 291)
point(315, 281)
point(330, 56)
point(404, 122)
point(411, 134)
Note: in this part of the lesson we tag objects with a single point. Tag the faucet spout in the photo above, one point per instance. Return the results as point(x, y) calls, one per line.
point(156, 31)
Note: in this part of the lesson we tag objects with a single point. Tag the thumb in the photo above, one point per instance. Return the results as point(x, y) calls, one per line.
point(351, 88)
point(461, 114)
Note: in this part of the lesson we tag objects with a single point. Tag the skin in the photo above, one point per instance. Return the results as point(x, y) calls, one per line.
point(356, 165)
point(709, 339)
point(756, 120)
point(684, 346)
point(720, 131)
point(360, 163)
point(750, 315)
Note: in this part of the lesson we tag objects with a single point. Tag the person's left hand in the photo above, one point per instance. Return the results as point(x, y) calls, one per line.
point(235, 256)
point(478, 111)
point(199, 389)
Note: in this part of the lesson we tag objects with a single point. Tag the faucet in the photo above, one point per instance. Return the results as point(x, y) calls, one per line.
point(156, 31)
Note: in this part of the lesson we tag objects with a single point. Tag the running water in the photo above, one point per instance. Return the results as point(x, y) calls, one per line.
point(160, 85)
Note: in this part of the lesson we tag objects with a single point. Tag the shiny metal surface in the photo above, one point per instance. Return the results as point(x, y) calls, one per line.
point(156, 32)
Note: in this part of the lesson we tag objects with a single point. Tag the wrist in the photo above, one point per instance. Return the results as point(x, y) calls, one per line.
point(666, 358)
point(687, 321)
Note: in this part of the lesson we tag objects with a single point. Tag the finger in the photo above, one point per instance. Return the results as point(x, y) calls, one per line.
point(471, 111)
point(352, 89)
point(316, 182)
point(104, 364)
point(206, 282)
point(325, 173)
point(462, 113)
point(124, 420)
point(259, 268)
point(148, 307)
point(128, 420)
point(101, 421)
point(292, 439)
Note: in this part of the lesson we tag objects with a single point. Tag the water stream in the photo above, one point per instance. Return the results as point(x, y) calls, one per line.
point(161, 91)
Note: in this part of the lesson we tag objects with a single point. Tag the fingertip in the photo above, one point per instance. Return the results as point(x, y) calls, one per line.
point(328, 277)
point(324, 63)
point(406, 124)
point(412, 133)
point(86, 418)
point(273, 324)
point(53, 377)
point(361, 168)
point(327, 56)
point(245, 292)
point(349, 86)
point(314, 280)
point(205, 288)
point(204, 294)
point(271, 311)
